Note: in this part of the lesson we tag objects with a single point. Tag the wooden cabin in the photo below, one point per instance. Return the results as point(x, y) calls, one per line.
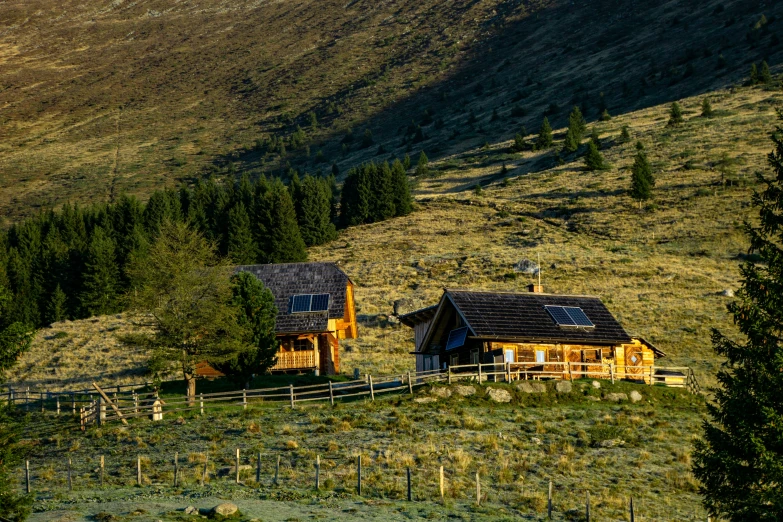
point(534, 328)
point(315, 303)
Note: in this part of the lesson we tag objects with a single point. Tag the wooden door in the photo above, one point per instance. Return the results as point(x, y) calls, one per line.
point(634, 362)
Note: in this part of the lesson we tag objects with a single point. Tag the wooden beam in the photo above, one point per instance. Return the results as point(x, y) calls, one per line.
point(113, 406)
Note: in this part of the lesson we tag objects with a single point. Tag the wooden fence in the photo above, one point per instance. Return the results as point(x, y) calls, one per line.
point(100, 406)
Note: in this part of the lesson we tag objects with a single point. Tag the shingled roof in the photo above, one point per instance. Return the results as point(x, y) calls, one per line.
point(285, 280)
point(499, 315)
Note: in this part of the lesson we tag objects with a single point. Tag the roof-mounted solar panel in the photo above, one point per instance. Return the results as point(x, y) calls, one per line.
point(457, 338)
point(579, 317)
point(560, 316)
point(301, 303)
point(320, 303)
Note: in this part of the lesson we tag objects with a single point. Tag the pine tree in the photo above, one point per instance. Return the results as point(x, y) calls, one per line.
point(241, 246)
point(355, 198)
point(593, 158)
point(675, 114)
point(519, 144)
point(403, 203)
point(765, 77)
point(381, 196)
point(738, 461)
point(577, 123)
point(544, 140)
point(605, 116)
point(570, 143)
point(101, 275)
point(422, 168)
point(754, 74)
point(706, 108)
point(314, 215)
point(406, 162)
point(625, 134)
point(594, 138)
point(642, 180)
point(56, 309)
point(284, 242)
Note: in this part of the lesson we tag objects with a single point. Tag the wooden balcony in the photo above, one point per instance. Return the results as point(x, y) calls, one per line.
point(295, 360)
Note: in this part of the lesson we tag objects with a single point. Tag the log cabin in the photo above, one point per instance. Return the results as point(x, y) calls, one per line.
point(535, 328)
point(315, 310)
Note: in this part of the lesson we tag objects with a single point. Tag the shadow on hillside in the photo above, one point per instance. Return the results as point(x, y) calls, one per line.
point(537, 61)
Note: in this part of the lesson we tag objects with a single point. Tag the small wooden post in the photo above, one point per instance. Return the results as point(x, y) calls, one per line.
point(570, 373)
point(27, 399)
point(359, 475)
point(611, 371)
point(258, 469)
point(43, 400)
point(632, 513)
point(372, 392)
point(73, 403)
point(237, 465)
point(201, 402)
point(449, 379)
point(103, 406)
point(291, 390)
point(70, 477)
point(317, 472)
point(440, 484)
point(478, 490)
point(277, 470)
point(176, 468)
point(206, 469)
point(244, 399)
point(103, 467)
point(138, 470)
point(479, 373)
point(549, 502)
point(587, 507)
point(651, 375)
point(508, 372)
point(331, 394)
point(410, 384)
point(410, 490)
point(57, 398)
point(135, 403)
point(101, 413)
point(27, 476)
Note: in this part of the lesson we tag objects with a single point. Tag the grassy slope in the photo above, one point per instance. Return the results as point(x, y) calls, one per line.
point(517, 448)
point(658, 269)
point(100, 98)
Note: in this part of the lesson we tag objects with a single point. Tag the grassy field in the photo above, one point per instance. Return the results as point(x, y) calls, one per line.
point(580, 440)
point(100, 98)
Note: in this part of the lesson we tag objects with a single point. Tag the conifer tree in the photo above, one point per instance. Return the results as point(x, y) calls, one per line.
point(605, 116)
point(754, 74)
point(381, 197)
point(314, 216)
point(406, 162)
point(642, 180)
point(738, 461)
point(765, 77)
point(284, 242)
point(355, 198)
point(706, 108)
point(577, 124)
point(56, 309)
point(422, 166)
point(625, 135)
point(241, 246)
point(519, 144)
point(101, 275)
point(594, 138)
point(593, 158)
point(675, 114)
point(13, 506)
point(544, 140)
point(403, 204)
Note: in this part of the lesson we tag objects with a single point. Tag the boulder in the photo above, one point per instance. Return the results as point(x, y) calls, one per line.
point(526, 266)
point(438, 391)
point(596, 385)
point(564, 386)
point(536, 441)
point(635, 396)
point(190, 510)
point(728, 292)
point(616, 397)
point(425, 400)
point(593, 398)
point(499, 395)
point(611, 443)
point(226, 509)
point(464, 390)
point(531, 387)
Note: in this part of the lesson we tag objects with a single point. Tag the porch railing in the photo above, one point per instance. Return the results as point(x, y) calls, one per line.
point(296, 360)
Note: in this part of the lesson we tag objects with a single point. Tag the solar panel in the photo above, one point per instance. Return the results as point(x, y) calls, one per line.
point(560, 316)
point(457, 338)
point(320, 303)
point(301, 303)
point(579, 317)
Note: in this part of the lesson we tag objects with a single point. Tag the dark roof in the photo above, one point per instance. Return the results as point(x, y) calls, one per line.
point(285, 280)
point(418, 316)
point(498, 315)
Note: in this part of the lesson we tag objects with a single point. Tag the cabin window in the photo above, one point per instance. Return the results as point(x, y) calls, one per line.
point(540, 356)
point(303, 345)
point(454, 360)
point(474, 357)
point(592, 355)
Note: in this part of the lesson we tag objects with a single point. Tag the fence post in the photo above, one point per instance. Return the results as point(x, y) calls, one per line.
point(651, 375)
point(57, 397)
point(478, 490)
point(440, 484)
point(291, 389)
point(102, 468)
point(70, 478)
point(73, 402)
point(135, 403)
point(258, 469)
point(449, 375)
point(237, 465)
point(317, 472)
point(277, 470)
point(611, 371)
point(176, 468)
point(244, 399)
point(479, 373)
point(204, 475)
point(27, 476)
point(587, 507)
point(138, 470)
point(549, 501)
point(410, 384)
point(632, 513)
point(201, 402)
point(43, 400)
point(410, 490)
point(101, 411)
point(359, 475)
point(372, 392)
point(570, 373)
point(508, 372)
point(331, 394)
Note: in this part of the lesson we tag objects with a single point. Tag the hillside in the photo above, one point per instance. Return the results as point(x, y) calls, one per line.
point(660, 269)
point(110, 97)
